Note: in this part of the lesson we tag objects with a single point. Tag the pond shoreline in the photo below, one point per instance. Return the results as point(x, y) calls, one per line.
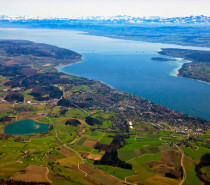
point(29, 126)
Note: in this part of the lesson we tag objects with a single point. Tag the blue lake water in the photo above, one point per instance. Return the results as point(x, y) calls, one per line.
point(25, 127)
point(127, 66)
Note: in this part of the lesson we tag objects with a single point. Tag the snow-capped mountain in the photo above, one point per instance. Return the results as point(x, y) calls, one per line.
point(112, 19)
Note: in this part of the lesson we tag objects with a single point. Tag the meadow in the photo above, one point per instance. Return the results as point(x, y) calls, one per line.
point(66, 149)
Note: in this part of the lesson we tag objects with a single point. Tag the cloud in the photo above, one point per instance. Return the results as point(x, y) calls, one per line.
point(64, 8)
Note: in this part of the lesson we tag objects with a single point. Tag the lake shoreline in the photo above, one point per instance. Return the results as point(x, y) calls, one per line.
point(123, 56)
point(197, 65)
point(176, 71)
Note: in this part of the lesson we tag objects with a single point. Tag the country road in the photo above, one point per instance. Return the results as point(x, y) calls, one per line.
point(182, 164)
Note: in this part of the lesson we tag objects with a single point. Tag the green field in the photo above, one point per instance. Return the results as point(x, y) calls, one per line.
point(81, 141)
point(140, 166)
point(115, 171)
point(76, 113)
point(82, 88)
point(195, 154)
point(140, 147)
point(192, 157)
point(106, 139)
point(190, 172)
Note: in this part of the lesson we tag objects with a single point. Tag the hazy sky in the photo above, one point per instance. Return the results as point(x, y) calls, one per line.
point(66, 8)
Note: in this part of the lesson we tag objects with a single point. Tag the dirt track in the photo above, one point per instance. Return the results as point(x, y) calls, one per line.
point(182, 164)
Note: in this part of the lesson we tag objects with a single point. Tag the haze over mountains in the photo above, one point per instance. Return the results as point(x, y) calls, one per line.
point(121, 19)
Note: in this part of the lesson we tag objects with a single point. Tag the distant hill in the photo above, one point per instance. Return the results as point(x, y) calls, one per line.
point(187, 31)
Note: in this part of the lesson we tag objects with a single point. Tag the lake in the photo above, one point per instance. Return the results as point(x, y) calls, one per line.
point(25, 127)
point(127, 66)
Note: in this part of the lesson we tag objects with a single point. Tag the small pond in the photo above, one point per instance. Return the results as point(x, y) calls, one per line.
point(25, 127)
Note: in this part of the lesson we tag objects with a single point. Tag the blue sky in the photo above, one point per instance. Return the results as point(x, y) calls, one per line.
point(66, 8)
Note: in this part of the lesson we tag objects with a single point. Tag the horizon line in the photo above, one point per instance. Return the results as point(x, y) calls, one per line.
point(89, 16)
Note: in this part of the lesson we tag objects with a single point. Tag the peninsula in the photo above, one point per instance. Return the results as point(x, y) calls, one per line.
point(163, 59)
point(198, 68)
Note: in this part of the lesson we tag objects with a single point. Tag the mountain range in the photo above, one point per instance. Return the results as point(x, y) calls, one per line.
point(121, 19)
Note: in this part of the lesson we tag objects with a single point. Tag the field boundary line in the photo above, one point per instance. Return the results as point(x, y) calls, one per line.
point(139, 157)
point(64, 143)
point(98, 141)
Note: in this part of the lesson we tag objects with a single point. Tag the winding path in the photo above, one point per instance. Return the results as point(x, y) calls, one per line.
point(182, 164)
